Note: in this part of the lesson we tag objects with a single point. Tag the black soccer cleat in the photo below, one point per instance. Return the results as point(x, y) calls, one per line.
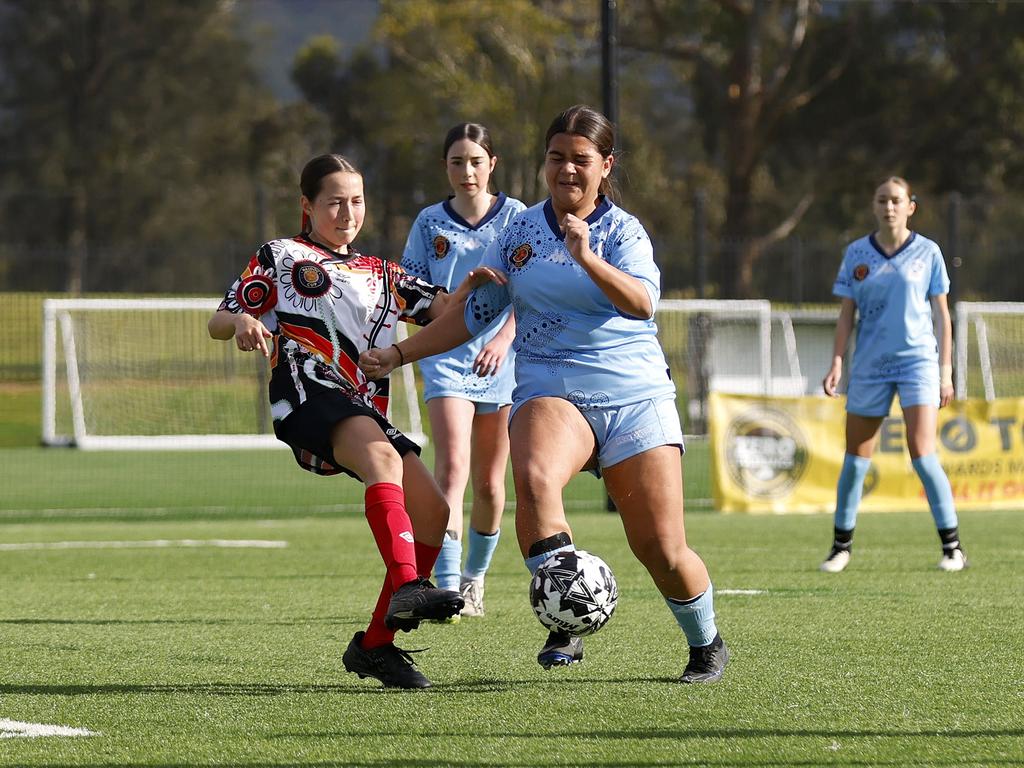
point(561, 650)
point(392, 666)
point(417, 600)
point(707, 662)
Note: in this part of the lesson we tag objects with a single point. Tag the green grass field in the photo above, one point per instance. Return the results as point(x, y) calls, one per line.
point(201, 656)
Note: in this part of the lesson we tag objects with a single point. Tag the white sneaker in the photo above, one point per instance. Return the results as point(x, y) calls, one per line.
point(472, 591)
point(836, 561)
point(953, 560)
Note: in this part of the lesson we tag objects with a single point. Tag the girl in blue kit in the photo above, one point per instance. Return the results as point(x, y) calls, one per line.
point(468, 390)
point(895, 280)
point(593, 390)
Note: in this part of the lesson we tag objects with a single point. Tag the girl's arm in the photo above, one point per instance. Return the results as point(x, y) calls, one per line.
point(446, 332)
point(494, 352)
point(627, 293)
point(944, 336)
point(249, 333)
point(476, 277)
point(844, 327)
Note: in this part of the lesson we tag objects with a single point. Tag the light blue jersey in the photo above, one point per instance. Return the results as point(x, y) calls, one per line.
point(442, 248)
point(895, 337)
point(571, 341)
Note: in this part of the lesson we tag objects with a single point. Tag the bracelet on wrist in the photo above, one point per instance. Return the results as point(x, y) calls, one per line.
point(401, 357)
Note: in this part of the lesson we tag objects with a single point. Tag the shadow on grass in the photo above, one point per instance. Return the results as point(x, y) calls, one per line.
point(251, 689)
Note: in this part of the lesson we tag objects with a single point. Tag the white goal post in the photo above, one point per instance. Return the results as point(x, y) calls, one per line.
point(989, 346)
point(143, 374)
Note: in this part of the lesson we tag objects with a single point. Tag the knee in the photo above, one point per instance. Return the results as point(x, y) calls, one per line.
point(658, 555)
point(382, 464)
point(489, 493)
point(533, 482)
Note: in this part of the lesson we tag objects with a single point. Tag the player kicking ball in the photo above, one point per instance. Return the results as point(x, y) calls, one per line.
point(593, 391)
point(312, 303)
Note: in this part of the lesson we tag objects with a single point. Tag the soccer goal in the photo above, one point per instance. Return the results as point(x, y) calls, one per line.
point(143, 374)
point(735, 346)
point(989, 347)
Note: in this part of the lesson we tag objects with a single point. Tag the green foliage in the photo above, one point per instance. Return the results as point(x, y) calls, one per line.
point(199, 656)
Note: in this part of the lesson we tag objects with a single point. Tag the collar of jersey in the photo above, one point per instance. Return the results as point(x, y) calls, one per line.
point(328, 251)
point(499, 203)
point(603, 207)
point(897, 252)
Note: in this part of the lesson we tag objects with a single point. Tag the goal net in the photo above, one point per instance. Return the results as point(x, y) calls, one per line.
point(741, 347)
point(144, 374)
point(989, 348)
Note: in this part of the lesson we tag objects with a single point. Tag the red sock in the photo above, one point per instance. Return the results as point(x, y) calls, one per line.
point(377, 634)
point(426, 556)
point(392, 530)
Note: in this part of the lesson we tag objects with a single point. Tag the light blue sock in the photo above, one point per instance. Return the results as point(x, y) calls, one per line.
point(849, 490)
point(533, 563)
point(696, 617)
point(480, 551)
point(937, 489)
point(449, 564)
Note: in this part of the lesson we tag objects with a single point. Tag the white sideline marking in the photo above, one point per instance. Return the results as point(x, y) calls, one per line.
point(741, 591)
point(13, 729)
point(154, 544)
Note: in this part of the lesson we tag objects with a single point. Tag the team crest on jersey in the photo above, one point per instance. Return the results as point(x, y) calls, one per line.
point(441, 246)
point(521, 255)
point(310, 279)
point(256, 294)
point(860, 272)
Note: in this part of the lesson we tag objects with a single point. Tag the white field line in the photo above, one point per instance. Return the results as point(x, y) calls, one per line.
point(13, 729)
point(153, 544)
point(741, 591)
point(165, 511)
point(269, 512)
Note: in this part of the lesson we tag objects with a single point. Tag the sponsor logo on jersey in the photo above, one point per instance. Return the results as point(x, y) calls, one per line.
point(256, 294)
point(860, 272)
point(310, 279)
point(766, 453)
point(521, 255)
point(441, 246)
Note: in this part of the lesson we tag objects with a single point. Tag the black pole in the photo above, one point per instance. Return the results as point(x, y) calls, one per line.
point(609, 61)
point(610, 93)
point(700, 257)
point(953, 249)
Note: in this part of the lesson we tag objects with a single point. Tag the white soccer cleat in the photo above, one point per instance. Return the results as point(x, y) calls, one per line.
point(836, 561)
point(953, 560)
point(472, 591)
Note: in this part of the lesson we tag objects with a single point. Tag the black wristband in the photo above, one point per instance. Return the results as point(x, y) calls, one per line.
point(401, 357)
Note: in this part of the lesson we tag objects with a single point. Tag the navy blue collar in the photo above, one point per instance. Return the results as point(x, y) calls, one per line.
point(499, 203)
point(897, 252)
point(603, 206)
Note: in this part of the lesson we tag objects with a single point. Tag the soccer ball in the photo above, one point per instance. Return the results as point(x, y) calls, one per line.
point(574, 592)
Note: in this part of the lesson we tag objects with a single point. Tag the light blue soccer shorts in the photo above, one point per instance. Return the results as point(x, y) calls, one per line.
point(628, 430)
point(873, 398)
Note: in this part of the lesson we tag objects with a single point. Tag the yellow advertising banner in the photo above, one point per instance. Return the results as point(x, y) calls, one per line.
point(783, 454)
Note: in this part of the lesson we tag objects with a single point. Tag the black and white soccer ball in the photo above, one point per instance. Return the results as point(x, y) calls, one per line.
point(574, 592)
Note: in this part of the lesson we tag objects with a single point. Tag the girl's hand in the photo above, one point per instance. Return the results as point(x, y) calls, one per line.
point(251, 334)
point(378, 363)
point(475, 279)
point(831, 381)
point(489, 361)
point(577, 237)
point(481, 275)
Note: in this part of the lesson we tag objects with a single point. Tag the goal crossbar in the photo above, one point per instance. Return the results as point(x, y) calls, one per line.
point(59, 337)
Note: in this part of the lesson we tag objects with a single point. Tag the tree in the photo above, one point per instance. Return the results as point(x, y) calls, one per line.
point(127, 128)
point(510, 65)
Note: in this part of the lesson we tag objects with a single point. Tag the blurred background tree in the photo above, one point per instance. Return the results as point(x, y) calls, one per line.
point(141, 151)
